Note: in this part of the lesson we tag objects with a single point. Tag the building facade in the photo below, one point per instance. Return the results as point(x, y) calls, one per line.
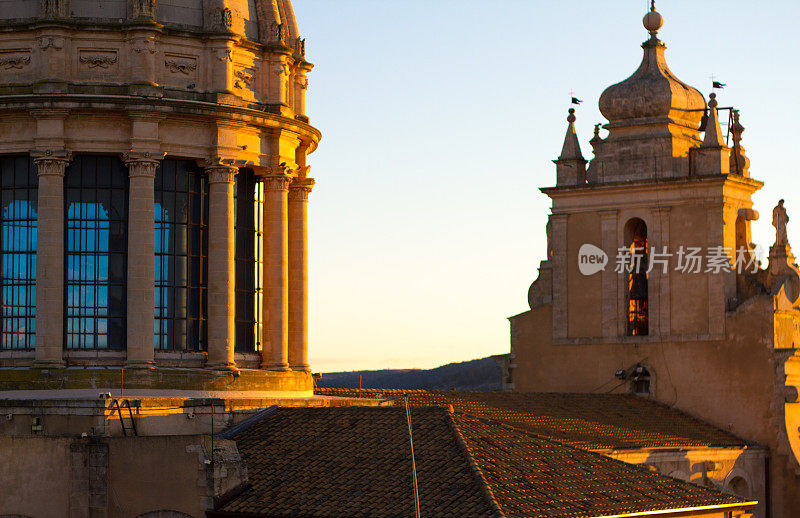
point(154, 181)
point(651, 284)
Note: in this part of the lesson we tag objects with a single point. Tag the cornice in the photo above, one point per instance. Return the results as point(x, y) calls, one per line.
point(103, 103)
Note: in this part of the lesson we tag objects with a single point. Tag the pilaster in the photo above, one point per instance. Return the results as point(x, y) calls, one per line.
point(221, 265)
point(299, 190)
point(609, 279)
point(659, 293)
point(559, 226)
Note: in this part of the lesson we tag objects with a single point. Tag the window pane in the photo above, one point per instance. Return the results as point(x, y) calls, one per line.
point(18, 195)
point(96, 253)
point(181, 236)
point(249, 206)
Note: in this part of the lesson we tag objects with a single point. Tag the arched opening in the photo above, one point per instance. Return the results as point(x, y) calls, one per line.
point(636, 287)
point(739, 487)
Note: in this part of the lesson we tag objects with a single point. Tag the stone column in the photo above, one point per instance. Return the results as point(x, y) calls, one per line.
point(275, 350)
point(298, 273)
point(221, 266)
point(50, 258)
point(141, 249)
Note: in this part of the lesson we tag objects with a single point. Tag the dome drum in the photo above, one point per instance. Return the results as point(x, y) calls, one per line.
point(172, 135)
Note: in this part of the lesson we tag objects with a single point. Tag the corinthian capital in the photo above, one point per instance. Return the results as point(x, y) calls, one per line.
point(300, 188)
point(142, 163)
point(51, 162)
point(221, 170)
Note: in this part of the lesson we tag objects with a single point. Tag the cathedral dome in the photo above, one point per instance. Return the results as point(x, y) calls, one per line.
point(653, 91)
point(263, 21)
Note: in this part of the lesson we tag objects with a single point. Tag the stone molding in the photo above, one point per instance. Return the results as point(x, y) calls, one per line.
point(51, 162)
point(300, 188)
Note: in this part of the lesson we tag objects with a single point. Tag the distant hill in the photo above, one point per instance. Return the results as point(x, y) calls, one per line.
point(482, 374)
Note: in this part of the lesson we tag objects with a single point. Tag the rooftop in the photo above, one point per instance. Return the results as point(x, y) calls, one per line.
point(356, 461)
point(588, 421)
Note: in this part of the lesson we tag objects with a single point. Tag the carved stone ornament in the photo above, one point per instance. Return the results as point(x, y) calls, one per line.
point(140, 45)
point(223, 55)
point(142, 164)
point(300, 46)
point(300, 188)
point(243, 77)
point(54, 8)
point(14, 62)
point(51, 162)
point(50, 42)
point(220, 170)
point(277, 182)
point(142, 8)
point(180, 66)
point(99, 61)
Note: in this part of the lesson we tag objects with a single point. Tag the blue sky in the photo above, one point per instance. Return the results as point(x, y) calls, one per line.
point(440, 119)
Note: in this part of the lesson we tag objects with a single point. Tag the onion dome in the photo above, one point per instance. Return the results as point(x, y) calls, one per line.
point(652, 91)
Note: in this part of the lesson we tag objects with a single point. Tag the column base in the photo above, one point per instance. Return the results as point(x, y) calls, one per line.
point(139, 364)
point(277, 367)
point(222, 366)
point(49, 364)
point(301, 367)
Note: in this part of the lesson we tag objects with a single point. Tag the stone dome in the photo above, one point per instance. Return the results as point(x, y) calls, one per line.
point(653, 91)
point(262, 21)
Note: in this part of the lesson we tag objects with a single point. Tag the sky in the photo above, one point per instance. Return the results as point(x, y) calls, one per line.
point(440, 119)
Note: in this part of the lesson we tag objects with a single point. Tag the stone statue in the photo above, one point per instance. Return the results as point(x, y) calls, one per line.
point(779, 221)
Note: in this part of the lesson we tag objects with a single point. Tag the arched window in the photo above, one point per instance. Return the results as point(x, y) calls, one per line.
point(739, 487)
point(19, 189)
point(249, 197)
point(636, 287)
point(96, 207)
point(181, 253)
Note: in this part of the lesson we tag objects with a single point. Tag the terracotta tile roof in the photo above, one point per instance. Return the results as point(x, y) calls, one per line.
point(589, 421)
point(535, 476)
point(343, 462)
point(354, 461)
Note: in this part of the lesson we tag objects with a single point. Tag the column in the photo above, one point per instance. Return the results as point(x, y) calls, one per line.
point(141, 271)
point(50, 258)
point(221, 266)
point(275, 350)
point(298, 273)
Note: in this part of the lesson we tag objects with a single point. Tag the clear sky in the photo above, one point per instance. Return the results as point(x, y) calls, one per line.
point(440, 119)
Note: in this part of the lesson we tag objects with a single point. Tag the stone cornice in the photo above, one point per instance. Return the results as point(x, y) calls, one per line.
point(59, 105)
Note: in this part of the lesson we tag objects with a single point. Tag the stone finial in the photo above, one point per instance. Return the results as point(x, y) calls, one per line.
point(571, 166)
point(713, 136)
point(653, 21)
point(779, 221)
point(571, 149)
point(740, 164)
